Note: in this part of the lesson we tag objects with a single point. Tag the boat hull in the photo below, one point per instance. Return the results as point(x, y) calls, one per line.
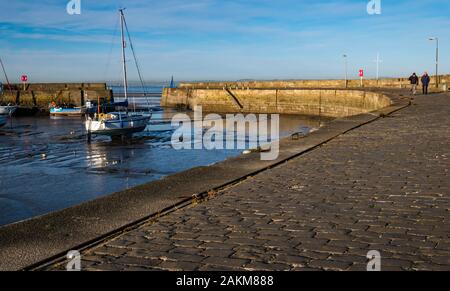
point(67, 111)
point(119, 132)
point(126, 126)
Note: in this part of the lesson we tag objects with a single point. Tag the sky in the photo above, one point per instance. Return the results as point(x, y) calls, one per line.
point(222, 39)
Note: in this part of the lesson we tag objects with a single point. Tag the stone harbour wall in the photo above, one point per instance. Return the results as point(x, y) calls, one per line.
point(316, 102)
point(41, 95)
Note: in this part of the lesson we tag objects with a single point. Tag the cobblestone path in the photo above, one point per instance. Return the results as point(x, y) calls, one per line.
point(384, 186)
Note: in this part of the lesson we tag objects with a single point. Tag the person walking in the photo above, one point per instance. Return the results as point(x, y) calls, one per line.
point(414, 83)
point(425, 83)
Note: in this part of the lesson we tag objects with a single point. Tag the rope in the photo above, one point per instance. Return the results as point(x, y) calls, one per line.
point(137, 67)
point(116, 28)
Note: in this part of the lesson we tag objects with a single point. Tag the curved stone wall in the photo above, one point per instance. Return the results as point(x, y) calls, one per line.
point(330, 103)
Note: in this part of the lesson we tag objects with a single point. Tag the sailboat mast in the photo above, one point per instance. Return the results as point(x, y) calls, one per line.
point(124, 45)
point(6, 76)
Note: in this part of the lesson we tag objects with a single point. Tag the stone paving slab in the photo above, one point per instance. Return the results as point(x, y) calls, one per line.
point(384, 186)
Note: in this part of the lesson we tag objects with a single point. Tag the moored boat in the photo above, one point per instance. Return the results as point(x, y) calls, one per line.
point(60, 111)
point(117, 123)
point(122, 123)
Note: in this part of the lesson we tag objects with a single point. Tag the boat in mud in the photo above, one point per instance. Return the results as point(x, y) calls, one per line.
point(61, 111)
point(120, 123)
point(117, 123)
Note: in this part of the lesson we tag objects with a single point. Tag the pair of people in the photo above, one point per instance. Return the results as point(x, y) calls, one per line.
point(425, 79)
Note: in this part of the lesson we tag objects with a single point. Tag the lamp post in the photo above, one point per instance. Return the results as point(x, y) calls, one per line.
point(378, 61)
point(346, 70)
point(437, 59)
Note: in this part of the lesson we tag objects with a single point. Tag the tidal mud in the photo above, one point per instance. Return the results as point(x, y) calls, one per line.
point(47, 165)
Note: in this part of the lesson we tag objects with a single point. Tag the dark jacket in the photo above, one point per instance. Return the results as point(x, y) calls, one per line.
point(414, 79)
point(426, 80)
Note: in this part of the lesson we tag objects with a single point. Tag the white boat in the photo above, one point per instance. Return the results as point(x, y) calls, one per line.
point(119, 123)
point(8, 110)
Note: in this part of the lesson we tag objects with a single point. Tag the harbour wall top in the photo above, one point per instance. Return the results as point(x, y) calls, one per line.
point(333, 98)
point(41, 95)
point(56, 86)
point(286, 84)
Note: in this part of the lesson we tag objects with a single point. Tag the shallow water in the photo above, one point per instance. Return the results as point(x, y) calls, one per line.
point(47, 165)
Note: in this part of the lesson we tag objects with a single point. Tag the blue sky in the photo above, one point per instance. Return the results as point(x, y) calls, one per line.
point(222, 39)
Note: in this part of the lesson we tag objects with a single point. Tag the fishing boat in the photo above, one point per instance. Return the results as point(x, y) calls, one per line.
point(61, 111)
point(120, 123)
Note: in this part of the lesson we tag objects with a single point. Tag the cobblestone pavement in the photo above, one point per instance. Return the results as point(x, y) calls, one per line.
point(384, 186)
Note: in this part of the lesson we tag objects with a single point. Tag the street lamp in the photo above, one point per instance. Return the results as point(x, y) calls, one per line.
point(437, 59)
point(378, 61)
point(346, 70)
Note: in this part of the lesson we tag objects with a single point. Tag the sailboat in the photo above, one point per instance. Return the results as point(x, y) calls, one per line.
point(121, 123)
point(6, 109)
